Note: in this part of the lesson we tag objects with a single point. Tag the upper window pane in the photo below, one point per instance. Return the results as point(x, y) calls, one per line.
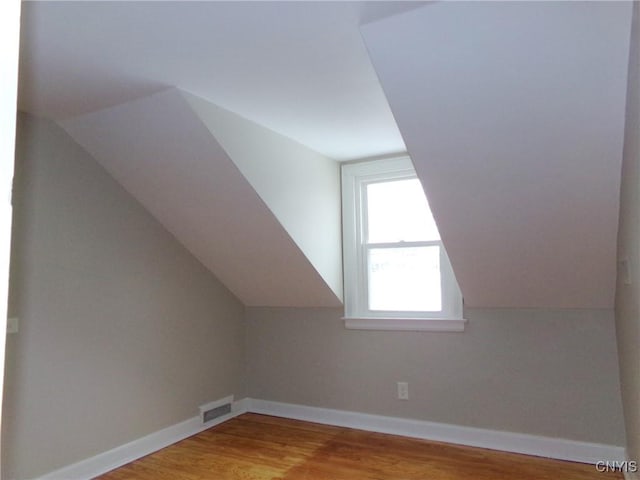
point(398, 211)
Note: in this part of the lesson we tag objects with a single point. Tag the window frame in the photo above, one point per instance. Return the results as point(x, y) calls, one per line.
point(355, 177)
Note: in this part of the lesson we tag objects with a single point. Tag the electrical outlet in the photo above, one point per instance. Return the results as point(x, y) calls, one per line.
point(403, 391)
point(12, 325)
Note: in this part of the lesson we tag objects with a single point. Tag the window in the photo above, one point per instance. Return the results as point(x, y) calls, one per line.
point(396, 271)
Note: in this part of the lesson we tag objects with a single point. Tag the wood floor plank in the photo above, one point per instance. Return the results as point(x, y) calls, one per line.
point(259, 447)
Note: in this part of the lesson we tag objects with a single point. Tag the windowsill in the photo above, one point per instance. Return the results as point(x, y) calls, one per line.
point(406, 324)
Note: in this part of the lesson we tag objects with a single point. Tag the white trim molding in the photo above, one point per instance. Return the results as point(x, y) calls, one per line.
point(406, 324)
point(557, 448)
point(357, 177)
point(119, 456)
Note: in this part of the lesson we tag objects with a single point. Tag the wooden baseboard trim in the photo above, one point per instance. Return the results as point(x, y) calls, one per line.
point(119, 456)
point(556, 448)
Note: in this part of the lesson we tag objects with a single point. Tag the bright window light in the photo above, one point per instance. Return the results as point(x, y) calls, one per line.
point(405, 279)
point(395, 265)
point(398, 211)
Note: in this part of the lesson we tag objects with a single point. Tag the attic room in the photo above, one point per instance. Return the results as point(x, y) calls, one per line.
point(179, 246)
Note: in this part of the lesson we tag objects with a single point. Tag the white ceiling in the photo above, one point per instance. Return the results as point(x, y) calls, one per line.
point(513, 112)
point(298, 68)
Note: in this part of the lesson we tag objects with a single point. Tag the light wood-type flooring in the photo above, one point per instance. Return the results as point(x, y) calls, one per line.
point(258, 447)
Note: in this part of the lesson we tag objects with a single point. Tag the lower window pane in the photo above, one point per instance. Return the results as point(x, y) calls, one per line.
point(404, 279)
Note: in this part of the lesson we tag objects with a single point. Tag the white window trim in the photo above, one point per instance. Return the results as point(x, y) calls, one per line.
point(406, 324)
point(357, 315)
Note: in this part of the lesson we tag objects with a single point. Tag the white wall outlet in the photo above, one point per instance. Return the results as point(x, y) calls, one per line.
point(403, 391)
point(12, 325)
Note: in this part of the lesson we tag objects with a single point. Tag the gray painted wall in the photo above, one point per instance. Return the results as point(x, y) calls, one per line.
point(122, 331)
point(628, 295)
point(551, 373)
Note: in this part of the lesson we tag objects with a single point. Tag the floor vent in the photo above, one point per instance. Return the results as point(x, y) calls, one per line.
point(216, 409)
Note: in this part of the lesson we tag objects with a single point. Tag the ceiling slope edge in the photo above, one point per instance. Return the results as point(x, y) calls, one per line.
point(513, 114)
point(300, 186)
point(159, 150)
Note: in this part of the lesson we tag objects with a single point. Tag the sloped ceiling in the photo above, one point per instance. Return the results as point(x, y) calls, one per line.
point(163, 154)
point(298, 68)
point(513, 113)
point(299, 186)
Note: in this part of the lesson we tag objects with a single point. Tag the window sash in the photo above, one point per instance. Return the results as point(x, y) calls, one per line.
point(367, 281)
point(355, 179)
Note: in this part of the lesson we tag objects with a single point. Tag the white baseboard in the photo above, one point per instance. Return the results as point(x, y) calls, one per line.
point(119, 456)
point(557, 448)
point(505, 441)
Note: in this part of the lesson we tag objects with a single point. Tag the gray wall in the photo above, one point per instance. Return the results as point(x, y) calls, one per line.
point(122, 331)
point(551, 373)
point(628, 295)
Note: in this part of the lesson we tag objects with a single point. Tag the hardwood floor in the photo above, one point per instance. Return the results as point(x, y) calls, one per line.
point(258, 447)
